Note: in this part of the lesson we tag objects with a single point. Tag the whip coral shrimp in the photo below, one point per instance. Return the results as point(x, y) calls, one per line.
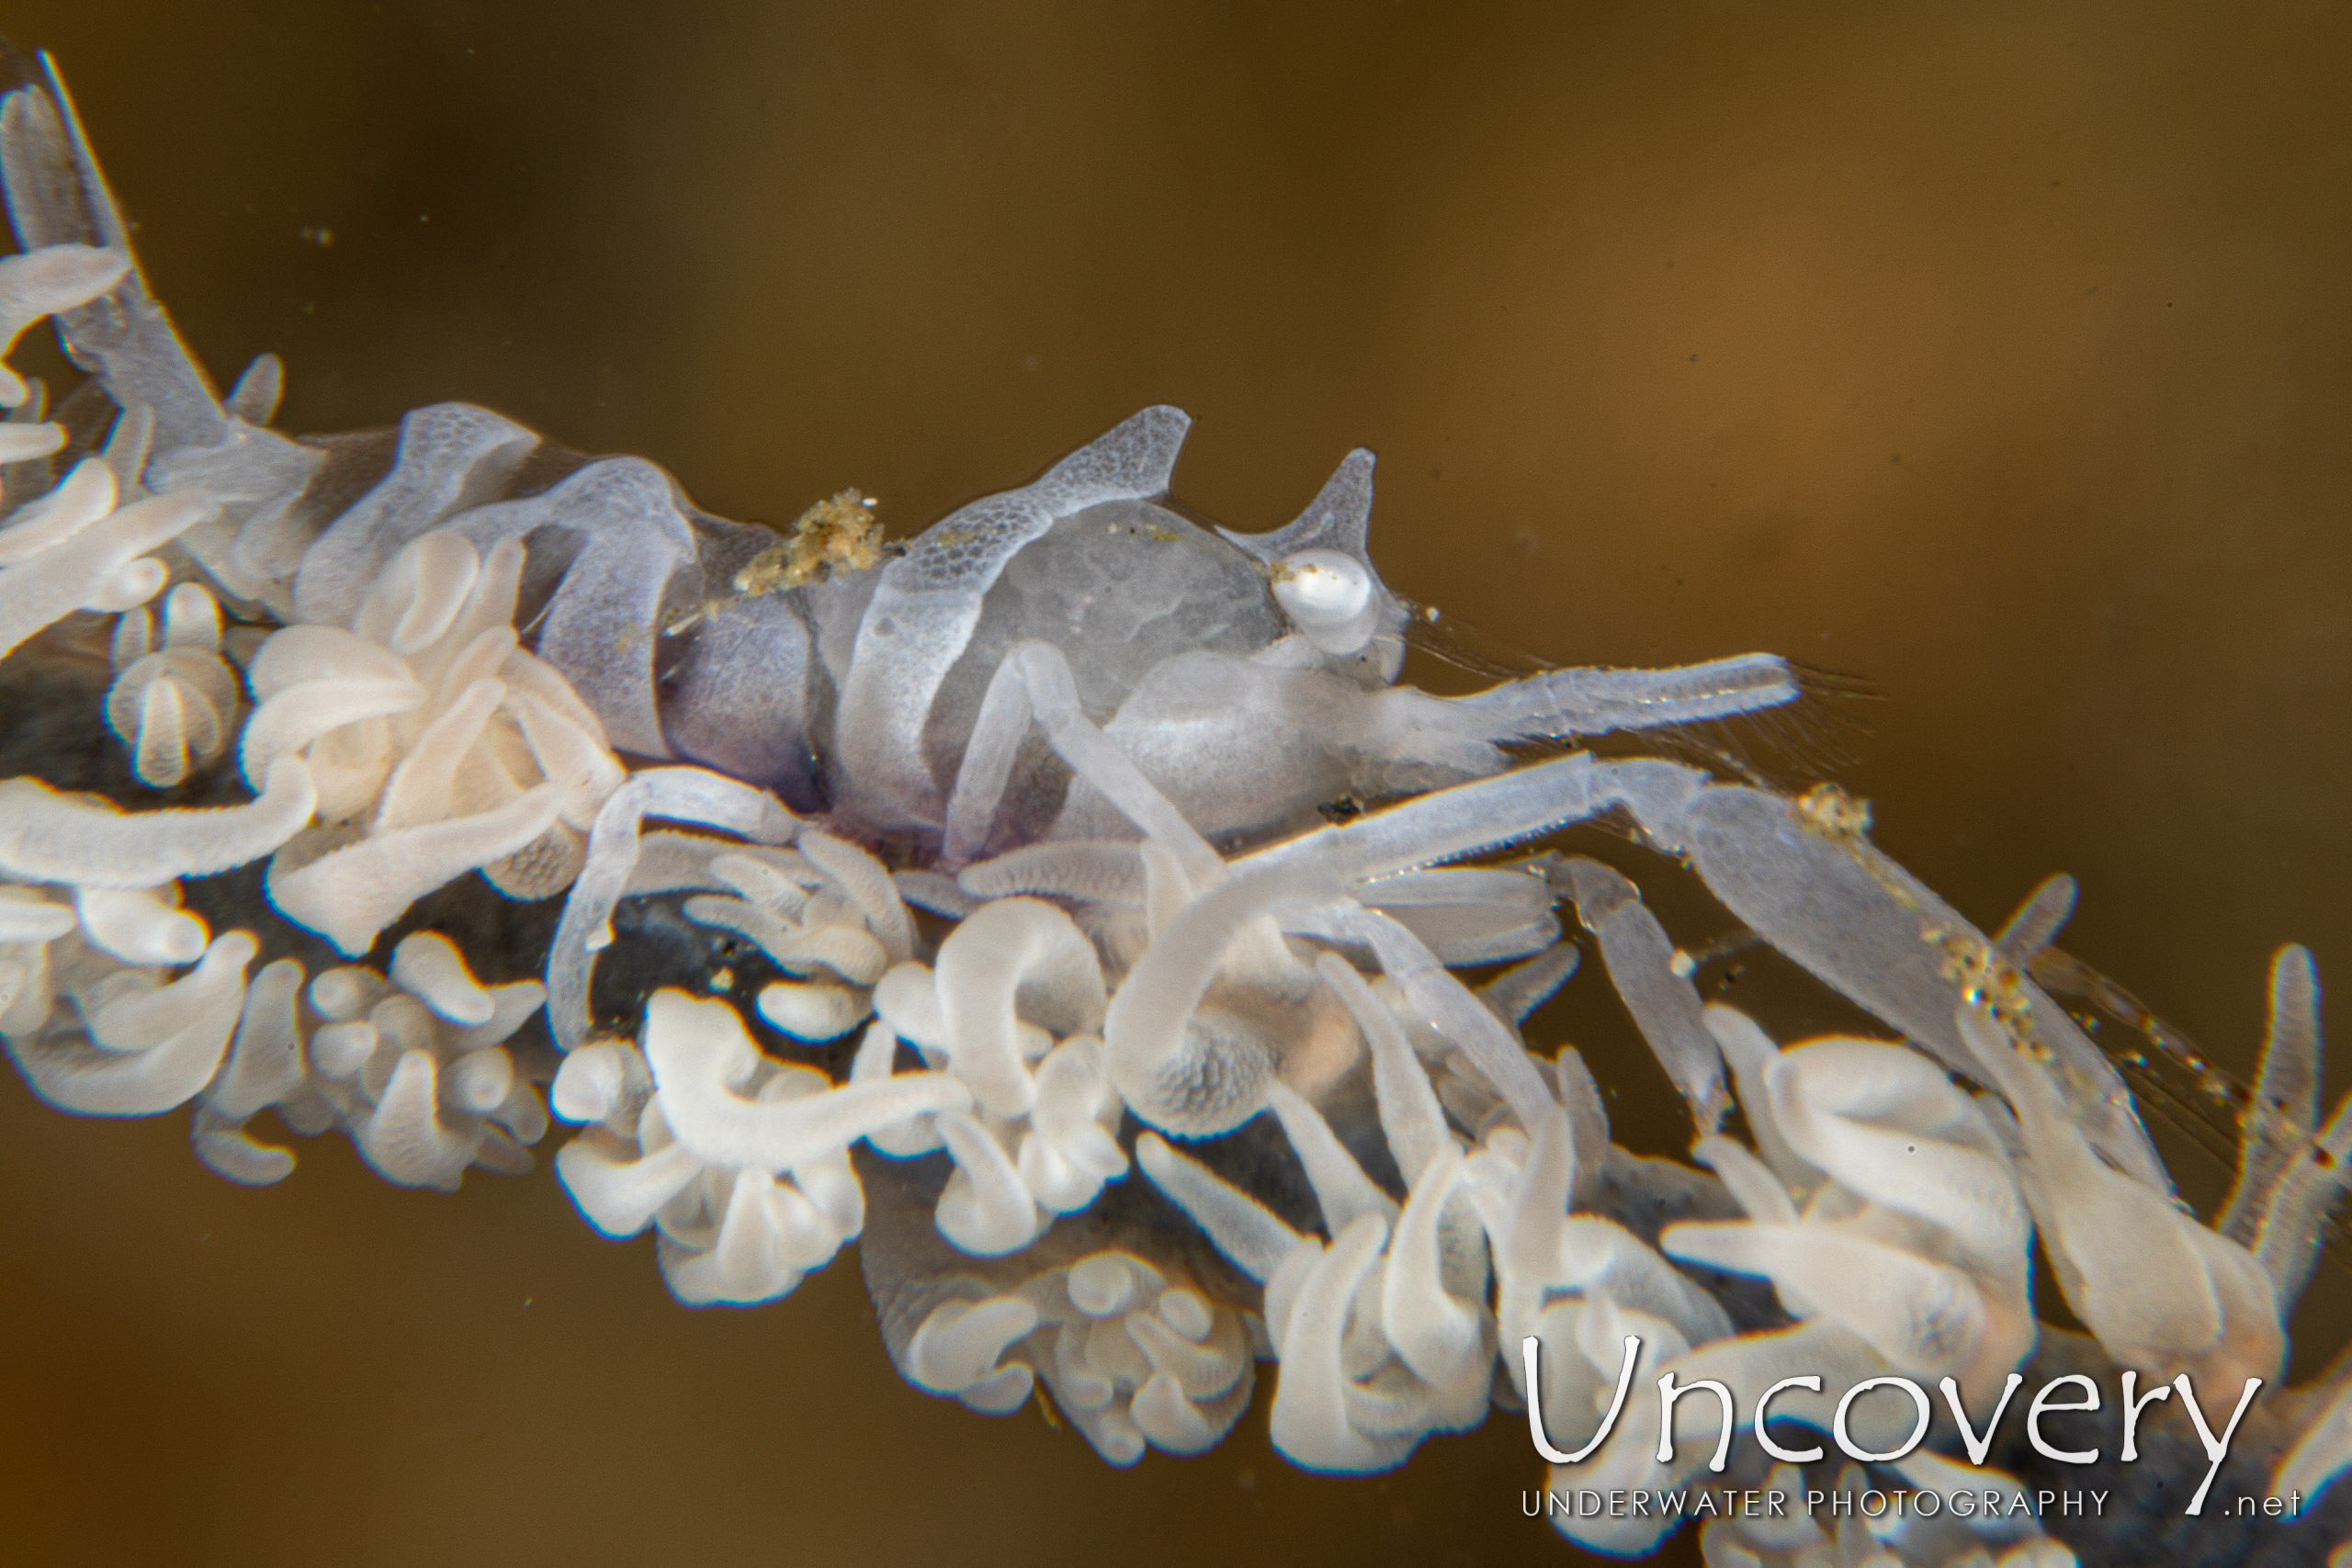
point(1073, 910)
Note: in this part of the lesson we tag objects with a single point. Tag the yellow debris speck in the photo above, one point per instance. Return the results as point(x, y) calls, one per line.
point(1988, 980)
point(840, 534)
point(1832, 813)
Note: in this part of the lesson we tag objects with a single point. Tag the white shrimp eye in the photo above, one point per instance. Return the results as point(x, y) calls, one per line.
point(1321, 590)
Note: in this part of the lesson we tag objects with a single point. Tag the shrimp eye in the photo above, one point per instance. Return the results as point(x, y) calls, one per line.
point(1322, 591)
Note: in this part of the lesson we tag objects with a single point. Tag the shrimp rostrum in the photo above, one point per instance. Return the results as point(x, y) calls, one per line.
point(1070, 859)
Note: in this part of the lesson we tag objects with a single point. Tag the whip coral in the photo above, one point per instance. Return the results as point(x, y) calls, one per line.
point(1065, 910)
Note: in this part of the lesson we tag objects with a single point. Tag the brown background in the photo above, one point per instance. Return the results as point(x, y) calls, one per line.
point(1996, 353)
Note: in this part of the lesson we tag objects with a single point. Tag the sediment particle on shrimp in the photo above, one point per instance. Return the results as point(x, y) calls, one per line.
point(838, 533)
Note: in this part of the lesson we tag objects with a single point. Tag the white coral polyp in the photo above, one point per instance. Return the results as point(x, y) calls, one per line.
point(740, 1160)
point(132, 1039)
point(1885, 1213)
point(439, 746)
point(2162, 1293)
point(135, 1041)
point(140, 925)
point(1071, 1151)
point(42, 283)
point(140, 1045)
point(1134, 1358)
point(174, 701)
point(1381, 1333)
point(1009, 1011)
point(826, 912)
point(49, 835)
point(1915, 1238)
point(419, 1073)
point(32, 285)
point(76, 549)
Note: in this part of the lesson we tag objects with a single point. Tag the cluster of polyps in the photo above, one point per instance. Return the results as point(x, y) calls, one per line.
point(824, 911)
point(78, 550)
point(741, 1160)
point(90, 1018)
point(1908, 1257)
point(1889, 1211)
point(1107, 976)
point(1134, 1358)
point(417, 1067)
point(413, 1067)
point(437, 745)
point(175, 701)
point(1016, 984)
